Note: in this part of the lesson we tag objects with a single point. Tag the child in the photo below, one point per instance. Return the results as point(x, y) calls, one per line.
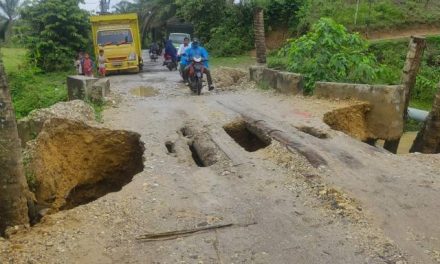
point(101, 63)
point(79, 63)
point(87, 66)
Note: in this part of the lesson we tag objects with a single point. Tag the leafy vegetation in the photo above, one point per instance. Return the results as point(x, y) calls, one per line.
point(392, 54)
point(372, 14)
point(329, 53)
point(57, 30)
point(30, 87)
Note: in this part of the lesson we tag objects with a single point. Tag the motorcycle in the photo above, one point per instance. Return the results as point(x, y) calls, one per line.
point(153, 56)
point(195, 76)
point(169, 63)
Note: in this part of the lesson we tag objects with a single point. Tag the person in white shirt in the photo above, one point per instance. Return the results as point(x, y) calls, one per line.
point(183, 47)
point(182, 57)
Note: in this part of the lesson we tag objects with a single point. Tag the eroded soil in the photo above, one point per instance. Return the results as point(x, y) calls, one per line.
point(364, 206)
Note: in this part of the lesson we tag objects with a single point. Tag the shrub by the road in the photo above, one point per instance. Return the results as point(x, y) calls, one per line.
point(56, 30)
point(329, 53)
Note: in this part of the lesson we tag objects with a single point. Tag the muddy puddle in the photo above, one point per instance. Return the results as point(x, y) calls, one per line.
point(405, 142)
point(144, 91)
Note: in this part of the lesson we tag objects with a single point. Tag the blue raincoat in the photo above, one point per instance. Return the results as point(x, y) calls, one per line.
point(196, 50)
point(171, 50)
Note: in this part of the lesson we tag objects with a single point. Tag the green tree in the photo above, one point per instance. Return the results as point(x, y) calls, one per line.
point(8, 12)
point(329, 53)
point(125, 7)
point(234, 35)
point(57, 30)
point(205, 15)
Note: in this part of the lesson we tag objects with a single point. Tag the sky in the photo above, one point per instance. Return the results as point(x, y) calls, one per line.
point(93, 5)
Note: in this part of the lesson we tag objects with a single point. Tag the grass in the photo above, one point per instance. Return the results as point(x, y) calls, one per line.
point(30, 88)
point(242, 61)
point(12, 58)
point(378, 14)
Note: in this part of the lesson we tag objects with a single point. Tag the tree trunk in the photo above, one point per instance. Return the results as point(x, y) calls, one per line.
point(8, 31)
point(260, 41)
point(13, 186)
point(428, 138)
point(413, 61)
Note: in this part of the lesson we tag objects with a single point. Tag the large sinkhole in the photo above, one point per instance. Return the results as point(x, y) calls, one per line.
point(74, 163)
point(246, 137)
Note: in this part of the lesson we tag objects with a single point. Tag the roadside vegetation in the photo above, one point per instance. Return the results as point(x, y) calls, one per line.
point(30, 87)
point(38, 56)
point(372, 14)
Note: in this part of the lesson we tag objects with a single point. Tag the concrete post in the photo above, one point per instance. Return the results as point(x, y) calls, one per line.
point(413, 61)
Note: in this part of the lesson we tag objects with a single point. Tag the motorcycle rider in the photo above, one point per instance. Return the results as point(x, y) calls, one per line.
point(170, 51)
point(182, 57)
point(197, 50)
point(154, 48)
point(154, 51)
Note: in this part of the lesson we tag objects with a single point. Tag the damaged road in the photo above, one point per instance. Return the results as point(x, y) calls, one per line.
point(288, 188)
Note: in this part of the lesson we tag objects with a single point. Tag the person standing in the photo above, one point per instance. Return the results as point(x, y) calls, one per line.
point(79, 63)
point(101, 63)
point(87, 66)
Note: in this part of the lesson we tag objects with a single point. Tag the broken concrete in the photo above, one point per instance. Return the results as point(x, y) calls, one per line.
point(283, 82)
point(99, 90)
point(78, 86)
point(87, 88)
point(290, 83)
point(270, 78)
point(387, 103)
point(256, 73)
point(30, 126)
point(73, 163)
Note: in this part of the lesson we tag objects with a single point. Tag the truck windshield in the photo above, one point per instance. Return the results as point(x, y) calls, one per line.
point(114, 37)
point(178, 38)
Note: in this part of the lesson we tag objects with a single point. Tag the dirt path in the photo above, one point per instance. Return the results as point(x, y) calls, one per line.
point(421, 30)
point(364, 206)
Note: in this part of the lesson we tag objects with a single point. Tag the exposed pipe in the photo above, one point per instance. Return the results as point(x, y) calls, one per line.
point(417, 114)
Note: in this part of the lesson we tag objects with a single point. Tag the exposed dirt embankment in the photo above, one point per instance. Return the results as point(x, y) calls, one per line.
point(73, 163)
point(350, 120)
point(229, 78)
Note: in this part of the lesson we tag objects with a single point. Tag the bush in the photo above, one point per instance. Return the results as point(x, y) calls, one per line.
point(235, 35)
point(329, 53)
point(57, 29)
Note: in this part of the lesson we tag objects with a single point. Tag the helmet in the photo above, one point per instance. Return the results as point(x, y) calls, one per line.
point(195, 42)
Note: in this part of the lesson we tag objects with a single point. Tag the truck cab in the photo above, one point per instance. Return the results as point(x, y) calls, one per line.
point(118, 36)
point(177, 38)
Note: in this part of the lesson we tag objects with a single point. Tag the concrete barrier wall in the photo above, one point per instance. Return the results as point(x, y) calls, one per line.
point(83, 87)
point(284, 82)
point(385, 118)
